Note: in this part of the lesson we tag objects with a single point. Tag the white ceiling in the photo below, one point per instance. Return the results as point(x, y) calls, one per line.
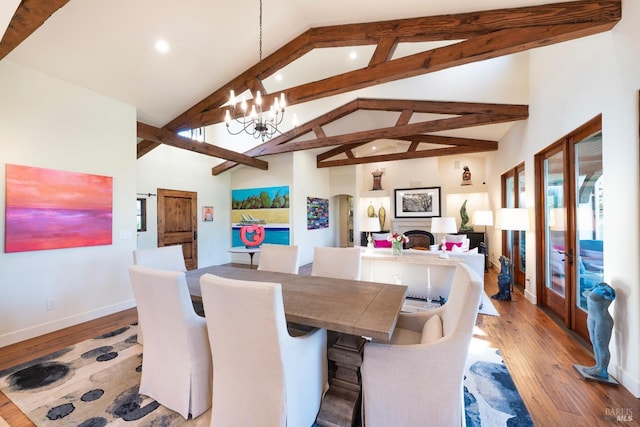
point(108, 47)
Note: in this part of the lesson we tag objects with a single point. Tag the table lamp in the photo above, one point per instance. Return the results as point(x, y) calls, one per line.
point(369, 225)
point(443, 225)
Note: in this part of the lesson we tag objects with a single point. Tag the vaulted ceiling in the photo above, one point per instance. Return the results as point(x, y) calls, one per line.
point(413, 89)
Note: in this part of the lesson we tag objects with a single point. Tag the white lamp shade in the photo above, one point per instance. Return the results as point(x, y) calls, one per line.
point(370, 224)
point(483, 218)
point(516, 219)
point(445, 225)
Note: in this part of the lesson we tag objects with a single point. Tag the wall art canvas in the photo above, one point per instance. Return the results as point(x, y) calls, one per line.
point(417, 202)
point(317, 213)
point(53, 209)
point(260, 215)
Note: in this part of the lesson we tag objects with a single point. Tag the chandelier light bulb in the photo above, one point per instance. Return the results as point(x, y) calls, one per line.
point(243, 105)
point(258, 98)
point(232, 98)
point(282, 101)
point(227, 118)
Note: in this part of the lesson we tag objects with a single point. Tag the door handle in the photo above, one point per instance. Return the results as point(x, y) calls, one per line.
point(195, 234)
point(568, 255)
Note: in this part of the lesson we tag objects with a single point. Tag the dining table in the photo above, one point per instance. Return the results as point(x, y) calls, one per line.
point(356, 310)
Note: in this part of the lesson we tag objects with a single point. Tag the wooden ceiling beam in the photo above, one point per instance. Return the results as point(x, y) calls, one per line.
point(393, 132)
point(29, 16)
point(498, 33)
point(472, 111)
point(436, 152)
point(163, 136)
point(416, 140)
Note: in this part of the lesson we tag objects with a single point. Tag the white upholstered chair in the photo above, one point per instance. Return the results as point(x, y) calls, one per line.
point(417, 379)
point(339, 263)
point(176, 366)
point(162, 258)
point(262, 375)
point(279, 258)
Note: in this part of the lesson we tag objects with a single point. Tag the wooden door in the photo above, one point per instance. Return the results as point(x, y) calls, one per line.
point(178, 223)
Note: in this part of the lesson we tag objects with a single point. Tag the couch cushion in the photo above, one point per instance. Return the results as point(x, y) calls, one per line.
point(432, 330)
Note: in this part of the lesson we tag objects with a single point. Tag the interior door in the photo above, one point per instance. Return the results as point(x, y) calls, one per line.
point(571, 213)
point(178, 223)
point(513, 242)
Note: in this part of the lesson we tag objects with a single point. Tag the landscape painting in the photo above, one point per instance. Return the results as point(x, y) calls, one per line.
point(265, 209)
point(52, 209)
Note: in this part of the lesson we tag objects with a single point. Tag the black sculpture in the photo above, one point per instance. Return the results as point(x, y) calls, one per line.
point(504, 280)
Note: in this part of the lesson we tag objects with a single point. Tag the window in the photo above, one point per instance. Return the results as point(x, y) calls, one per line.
point(141, 214)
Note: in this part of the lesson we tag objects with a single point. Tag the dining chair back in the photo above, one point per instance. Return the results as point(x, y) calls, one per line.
point(176, 368)
point(263, 376)
point(162, 258)
point(338, 263)
point(424, 363)
point(279, 258)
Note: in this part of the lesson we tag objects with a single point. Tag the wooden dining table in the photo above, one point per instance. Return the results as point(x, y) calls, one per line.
point(354, 309)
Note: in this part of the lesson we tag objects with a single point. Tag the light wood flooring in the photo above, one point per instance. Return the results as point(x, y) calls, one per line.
point(538, 352)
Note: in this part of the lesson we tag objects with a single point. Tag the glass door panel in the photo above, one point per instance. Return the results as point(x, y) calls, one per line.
point(555, 224)
point(589, 208)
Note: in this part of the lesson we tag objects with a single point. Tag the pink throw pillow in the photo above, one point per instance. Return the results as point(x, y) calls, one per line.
point(381, 244)
point(449, 245)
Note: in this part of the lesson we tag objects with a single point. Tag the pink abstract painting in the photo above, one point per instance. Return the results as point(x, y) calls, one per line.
point(50, 209)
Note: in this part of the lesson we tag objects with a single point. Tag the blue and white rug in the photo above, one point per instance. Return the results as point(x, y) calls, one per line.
point(95, 383)
point(490, 396)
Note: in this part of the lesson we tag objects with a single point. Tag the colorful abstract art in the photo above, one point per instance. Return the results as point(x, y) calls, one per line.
point(317, 213)
point(260, 215)
point(52, 209)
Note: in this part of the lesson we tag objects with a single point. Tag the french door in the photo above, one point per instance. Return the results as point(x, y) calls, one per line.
point(513, 242)
point(569, 214)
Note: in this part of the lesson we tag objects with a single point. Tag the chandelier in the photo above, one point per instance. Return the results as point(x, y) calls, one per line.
point(257, 122)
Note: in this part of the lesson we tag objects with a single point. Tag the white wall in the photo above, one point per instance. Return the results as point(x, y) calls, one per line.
point(310, 181)
point(47, 123)
point(176, 169)
point(570, 84)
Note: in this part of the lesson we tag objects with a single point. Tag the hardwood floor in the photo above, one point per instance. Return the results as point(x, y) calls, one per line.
point(538, 352)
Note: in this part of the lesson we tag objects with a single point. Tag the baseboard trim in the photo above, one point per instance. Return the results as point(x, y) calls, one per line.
point(48, 327)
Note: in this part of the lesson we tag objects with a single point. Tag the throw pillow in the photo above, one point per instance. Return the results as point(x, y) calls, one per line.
point(455, 237)
point(432, 330)
point(381, 243)
point(449, 245)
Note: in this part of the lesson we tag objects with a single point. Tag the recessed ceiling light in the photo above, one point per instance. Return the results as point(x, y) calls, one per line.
point(353, 55)
point(279, 77)
point(373, 148)
point(162, 46)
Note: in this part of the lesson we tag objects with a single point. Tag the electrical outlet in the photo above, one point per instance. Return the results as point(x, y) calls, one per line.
point(51, 304)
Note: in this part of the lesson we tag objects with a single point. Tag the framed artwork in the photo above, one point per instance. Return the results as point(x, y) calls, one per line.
point(260, 215)
point(317, 213)
point(417, 202)
point(207, 213)
point(54, 209)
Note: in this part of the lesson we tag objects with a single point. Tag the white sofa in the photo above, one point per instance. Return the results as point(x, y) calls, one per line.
point(417, 268)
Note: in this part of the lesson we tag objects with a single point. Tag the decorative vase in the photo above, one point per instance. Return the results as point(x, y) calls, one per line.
point(396, 248)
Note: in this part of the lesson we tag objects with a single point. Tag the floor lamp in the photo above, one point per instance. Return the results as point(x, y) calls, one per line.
point(512, 219)
point(484, 218)
point(443, 225)
point(370, 224)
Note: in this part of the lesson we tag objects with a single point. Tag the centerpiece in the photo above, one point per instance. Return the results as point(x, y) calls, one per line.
point(397, 240)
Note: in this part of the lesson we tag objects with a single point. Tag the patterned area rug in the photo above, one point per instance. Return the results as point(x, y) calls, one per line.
point(95, 383)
